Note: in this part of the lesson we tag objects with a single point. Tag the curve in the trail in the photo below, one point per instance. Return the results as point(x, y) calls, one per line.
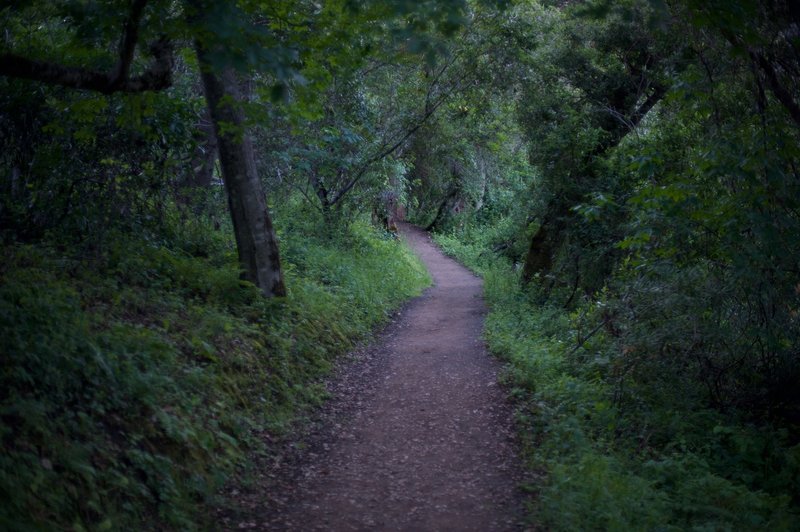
point(429, 443)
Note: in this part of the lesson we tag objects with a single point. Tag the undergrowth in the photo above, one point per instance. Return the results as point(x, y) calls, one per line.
point(136, 374)
point(658, 460)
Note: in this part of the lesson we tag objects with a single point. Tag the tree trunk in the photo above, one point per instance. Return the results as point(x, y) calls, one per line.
point(255, 237)
point(326, 205)
point(545, 242)
point(439, 214)
point(540, 254)
point(200, 174)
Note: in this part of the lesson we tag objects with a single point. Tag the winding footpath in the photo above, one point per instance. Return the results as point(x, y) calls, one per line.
point(418, 435)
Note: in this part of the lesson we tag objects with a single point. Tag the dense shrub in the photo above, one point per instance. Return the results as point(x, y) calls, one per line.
point(661, 459)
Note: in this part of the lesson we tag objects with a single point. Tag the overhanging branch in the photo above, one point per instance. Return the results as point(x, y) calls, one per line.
point(157, 77)
point(430, 109)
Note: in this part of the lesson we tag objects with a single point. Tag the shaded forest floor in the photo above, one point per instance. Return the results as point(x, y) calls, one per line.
point(417, 435)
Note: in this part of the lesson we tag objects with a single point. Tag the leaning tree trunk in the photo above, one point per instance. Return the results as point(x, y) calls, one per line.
point(255, 236)
point(545, 242)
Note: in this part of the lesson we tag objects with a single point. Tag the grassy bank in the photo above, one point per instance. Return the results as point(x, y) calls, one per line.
point(610, 464)
point(136, 371)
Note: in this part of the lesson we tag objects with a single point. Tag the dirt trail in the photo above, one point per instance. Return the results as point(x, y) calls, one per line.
point(418, 435)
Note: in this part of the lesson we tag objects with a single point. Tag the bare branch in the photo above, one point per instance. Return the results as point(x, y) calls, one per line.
point(386, 150)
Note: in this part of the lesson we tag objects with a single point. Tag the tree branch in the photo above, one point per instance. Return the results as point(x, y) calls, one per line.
point(430, 109)
point(386, 151)
point(157, 77)
point(780, 92)
point(630, 122)
point(784, 96)
point(127, 44)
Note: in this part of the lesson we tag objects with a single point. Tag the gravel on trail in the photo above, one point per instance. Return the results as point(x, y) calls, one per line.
point(417, 436)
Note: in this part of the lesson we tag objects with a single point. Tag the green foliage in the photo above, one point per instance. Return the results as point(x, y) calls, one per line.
point(135, 379)
point(681, 222)
point(127, 153)
point(664, 364)
point(643, 156)
point(658, 462)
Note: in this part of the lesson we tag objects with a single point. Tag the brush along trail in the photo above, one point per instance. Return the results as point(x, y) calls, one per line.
point(418, 435)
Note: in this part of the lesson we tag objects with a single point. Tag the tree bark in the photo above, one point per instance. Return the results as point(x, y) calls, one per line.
point(200, 174)
point(205, 156)
point(540, 254)
point(440, 212)
point(252, 225)
point(324, 197)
